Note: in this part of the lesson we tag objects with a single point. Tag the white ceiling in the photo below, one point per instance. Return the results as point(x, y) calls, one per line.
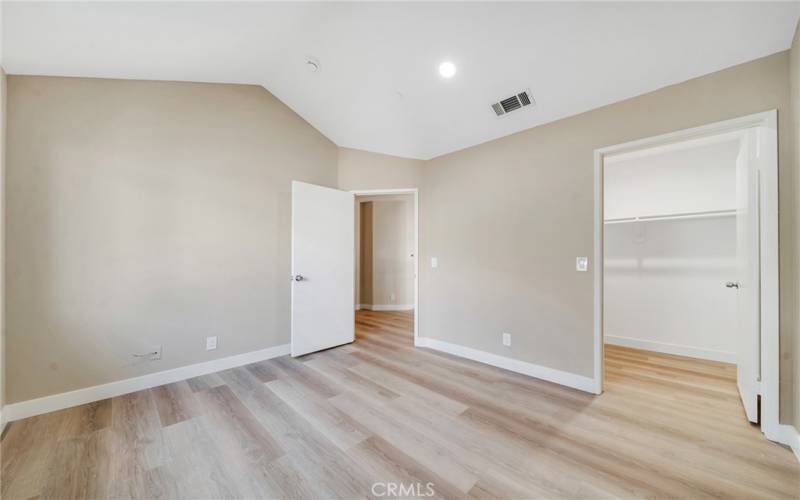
point(573, 56)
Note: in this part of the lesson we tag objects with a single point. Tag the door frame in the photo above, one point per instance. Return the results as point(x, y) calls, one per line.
point(767, 122)
point(415, 193)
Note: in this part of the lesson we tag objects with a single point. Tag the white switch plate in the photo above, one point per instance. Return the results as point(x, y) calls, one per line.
point(507, 339)
point(434, 262)
point(211, 343)
point(582, 264)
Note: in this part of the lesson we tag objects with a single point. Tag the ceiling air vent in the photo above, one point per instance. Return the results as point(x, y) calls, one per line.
point(512, 103)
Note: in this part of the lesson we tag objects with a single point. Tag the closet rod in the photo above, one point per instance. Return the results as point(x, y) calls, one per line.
point(688, 215)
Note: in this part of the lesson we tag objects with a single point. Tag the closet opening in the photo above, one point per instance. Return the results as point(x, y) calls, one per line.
point(686, 288)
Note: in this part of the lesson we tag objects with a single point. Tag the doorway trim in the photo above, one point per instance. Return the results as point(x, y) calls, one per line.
point(415, 193)
point(767, 122)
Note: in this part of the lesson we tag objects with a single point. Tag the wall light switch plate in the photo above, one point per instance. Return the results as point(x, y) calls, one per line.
point(582, 264)
point(434, 262)
point(507, 339)
point(211, 343)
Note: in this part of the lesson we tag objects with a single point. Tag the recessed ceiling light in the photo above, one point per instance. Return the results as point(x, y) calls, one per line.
point(447, 69)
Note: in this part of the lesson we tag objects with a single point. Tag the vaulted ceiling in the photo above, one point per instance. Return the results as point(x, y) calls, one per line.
point(378, 87)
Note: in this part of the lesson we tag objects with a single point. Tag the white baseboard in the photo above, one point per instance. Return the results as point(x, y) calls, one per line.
point(46, 404)
point(580, 382)
point(386, 307)
point(676, 349)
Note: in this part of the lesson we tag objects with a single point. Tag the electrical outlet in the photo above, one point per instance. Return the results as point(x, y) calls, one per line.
point(507, 339)
point(392, 298)
point(434, 262)
point(211, 343)
point(152, 354)
point(155, 353)
point(582, 264)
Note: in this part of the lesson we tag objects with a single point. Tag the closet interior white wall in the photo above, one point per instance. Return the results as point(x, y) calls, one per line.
point(670, 247)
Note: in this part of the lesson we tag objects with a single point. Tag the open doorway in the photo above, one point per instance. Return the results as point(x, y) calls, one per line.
point(386, 265)
point(686, 285)
point(326, 298)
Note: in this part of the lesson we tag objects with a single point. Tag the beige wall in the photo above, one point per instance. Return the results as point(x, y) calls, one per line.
point(507, 219)
point(145, 213)
point(392, 246)
point(364, 266)
point(794, 79)
point(386, 265)
point(365, 170)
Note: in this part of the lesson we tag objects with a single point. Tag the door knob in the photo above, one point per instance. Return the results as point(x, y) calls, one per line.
point(732, 284)
point(298, 277)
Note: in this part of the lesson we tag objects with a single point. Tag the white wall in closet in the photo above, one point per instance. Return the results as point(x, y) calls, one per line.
point(693, 178)
point(665, 279)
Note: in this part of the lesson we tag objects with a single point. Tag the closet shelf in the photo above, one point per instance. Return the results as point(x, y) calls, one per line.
point(688, 215)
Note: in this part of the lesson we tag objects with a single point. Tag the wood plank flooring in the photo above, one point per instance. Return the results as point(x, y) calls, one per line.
point(335, 423)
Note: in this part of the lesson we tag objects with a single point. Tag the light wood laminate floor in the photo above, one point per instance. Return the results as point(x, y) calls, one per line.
point(334, 423)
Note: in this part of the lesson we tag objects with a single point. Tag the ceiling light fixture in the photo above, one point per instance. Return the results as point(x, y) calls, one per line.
point(447, 69)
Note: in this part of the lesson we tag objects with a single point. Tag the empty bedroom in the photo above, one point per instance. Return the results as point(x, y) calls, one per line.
point(318, 250)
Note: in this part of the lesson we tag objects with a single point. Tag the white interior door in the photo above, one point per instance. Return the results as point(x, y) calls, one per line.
point(747, 284)
point(322, 268)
